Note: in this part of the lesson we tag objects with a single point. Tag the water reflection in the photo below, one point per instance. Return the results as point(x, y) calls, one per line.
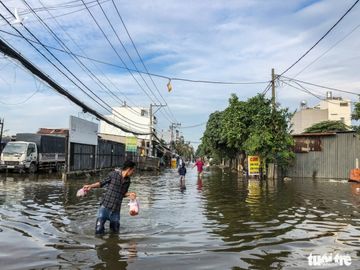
point(199, 183)
point(109, 255)
point(263, 220)
point(221, 221)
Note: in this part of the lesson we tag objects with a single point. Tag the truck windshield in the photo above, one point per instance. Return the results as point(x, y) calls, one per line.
point(15, 148)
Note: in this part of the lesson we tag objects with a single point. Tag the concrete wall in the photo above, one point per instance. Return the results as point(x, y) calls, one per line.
point(338, 110)
point(330, 109)
point(121, 115)
point(335, 160)
point(306, 118)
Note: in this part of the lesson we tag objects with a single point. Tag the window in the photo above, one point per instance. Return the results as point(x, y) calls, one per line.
point(31, 149)
point(344, 104)
point(342, 119)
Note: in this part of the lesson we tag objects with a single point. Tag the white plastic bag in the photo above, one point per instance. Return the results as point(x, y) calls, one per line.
point(134, 207)
point(81, 192)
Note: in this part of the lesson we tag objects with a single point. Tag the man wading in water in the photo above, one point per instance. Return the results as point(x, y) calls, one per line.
point(117, 183)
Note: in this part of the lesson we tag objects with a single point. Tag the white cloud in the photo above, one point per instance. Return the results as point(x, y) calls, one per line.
point(205, 40)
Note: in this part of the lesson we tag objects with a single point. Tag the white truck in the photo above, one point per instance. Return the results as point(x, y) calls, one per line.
point(31, 152)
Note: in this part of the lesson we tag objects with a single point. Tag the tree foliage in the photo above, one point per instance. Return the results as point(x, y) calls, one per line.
point(213, 142)
point(249, 127)
point(327, 126)
point(184, 149)
point(356, 112)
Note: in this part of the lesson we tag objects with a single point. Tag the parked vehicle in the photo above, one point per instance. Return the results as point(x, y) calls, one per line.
point(31, 152)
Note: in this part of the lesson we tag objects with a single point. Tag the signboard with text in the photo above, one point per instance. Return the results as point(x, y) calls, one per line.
point(254, 165)
point(131, 144)
point(82, 131)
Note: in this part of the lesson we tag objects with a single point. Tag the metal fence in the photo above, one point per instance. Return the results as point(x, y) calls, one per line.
point(82, 157)
point(110, 154)
point(107, 154)
point(334, 160)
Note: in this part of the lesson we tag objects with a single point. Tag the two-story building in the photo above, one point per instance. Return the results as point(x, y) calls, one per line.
point(332, 108)
point(139, 119)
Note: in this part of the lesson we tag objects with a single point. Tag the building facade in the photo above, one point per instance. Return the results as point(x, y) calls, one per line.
point(325, 155)
point(138, 119)
point(332, 108)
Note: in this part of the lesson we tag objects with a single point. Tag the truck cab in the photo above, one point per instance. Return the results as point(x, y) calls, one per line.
point(20, 156)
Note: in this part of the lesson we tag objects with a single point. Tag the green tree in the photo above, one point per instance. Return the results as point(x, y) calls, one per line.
point(356, 112)
point(251, 127)
point(269, 132)
point(235, 123)
point(213, 143)
point(327, 126)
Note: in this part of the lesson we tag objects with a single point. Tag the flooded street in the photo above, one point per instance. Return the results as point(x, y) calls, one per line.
point(218, 222)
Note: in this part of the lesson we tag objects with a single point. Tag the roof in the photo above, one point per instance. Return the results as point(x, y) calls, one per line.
point(314, 134)
point(322, 134)
point(53, 131)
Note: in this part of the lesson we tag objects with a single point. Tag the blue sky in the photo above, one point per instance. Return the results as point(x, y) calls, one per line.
point(202, 40)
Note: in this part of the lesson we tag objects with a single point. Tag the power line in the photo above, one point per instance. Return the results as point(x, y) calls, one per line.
point(312, 47)
point(305, 90)
point(216, 82)
point(133, 70)
point(64, 46)
point(58, 62)
point(193, 126)
point(333, 46)
point(137, 52)
point(21, 102)
point(127, 53)
point(267, 88)
point(321, 86)
point(63, 51)
point(28, 65)
point(112, 46)
point(91, 4)
point(83, 66)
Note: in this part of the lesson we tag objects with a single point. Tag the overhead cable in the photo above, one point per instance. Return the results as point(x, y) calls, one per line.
point(312, 47)
point(6, 49)
point(85, 68)
point(133, 70)
point(303, 89)
point(193, 126)
point(66, 68)
point(59, 63)
point(322, 86)
point(91, 4)
point(142, 61)
point(329, 49)
point(116, 52)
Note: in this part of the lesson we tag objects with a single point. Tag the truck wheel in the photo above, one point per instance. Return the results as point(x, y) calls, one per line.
point(32, 168)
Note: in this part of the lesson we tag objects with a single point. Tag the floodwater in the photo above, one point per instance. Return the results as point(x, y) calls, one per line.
point(218, 222)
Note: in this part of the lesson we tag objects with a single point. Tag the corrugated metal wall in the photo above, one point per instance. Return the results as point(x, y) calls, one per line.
point(109, 155)
point(82, 157)
point(335, 160)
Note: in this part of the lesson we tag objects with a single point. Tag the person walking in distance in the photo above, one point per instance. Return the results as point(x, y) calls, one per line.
point(200, 166)
point(117, 183)
point(182, 173)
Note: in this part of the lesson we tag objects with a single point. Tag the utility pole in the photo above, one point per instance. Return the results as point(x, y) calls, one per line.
point(151, 114)
point(172, 127)
point(273, 101)
point(1, 132)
